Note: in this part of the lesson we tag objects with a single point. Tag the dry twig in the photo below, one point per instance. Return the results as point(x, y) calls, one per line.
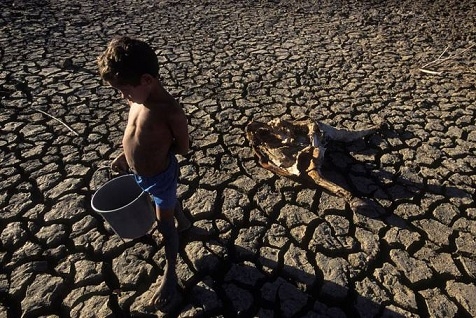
point(430, 72)
point(58, 120)
point(440, 60)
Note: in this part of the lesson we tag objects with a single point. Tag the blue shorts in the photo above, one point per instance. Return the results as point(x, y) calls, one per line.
point(162, 187)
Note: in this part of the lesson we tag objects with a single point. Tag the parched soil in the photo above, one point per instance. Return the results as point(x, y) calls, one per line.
point(261, 245)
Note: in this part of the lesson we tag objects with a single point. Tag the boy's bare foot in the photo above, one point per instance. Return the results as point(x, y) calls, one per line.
point(167, 292)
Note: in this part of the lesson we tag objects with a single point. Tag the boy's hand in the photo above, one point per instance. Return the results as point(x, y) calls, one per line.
point(120, 164)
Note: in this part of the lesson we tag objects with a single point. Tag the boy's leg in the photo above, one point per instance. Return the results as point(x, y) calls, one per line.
point(183, 223)
point(168, 289)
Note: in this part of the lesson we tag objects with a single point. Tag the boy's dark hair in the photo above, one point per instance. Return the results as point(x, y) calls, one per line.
point(125, 60)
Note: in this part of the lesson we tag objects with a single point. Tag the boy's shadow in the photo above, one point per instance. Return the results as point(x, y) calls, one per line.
point(240, 289)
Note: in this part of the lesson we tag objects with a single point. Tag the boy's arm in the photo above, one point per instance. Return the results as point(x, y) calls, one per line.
point(179, 127)
point(119, 164)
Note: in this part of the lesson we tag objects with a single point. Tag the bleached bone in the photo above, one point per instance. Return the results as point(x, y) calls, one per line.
point(295, 149)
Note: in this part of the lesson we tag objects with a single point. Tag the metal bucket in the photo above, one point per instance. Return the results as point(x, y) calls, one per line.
point(125, 206)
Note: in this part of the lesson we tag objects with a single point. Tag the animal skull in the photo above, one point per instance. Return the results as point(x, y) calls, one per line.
point(295, 149)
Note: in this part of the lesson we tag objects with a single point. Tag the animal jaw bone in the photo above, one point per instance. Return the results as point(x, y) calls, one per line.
point(296, 150)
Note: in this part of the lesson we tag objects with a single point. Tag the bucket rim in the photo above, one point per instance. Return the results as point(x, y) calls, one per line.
point(120, 208)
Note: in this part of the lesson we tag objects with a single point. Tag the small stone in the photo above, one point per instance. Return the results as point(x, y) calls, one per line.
point(388, 275)
point(201, 204)
point(240, 299)
point(204, 296)
point(292, 300)
point(465, 294)
point(469, 265)
point(335, 271)
point(297, 266)
point(397, 236)
point(52, 235)
point(437, 232)
point(13, 235)
point(247, 242)
point(370, 297)
point(466, 243)
point(294, 216)
point(245, 274)
point(438, 304)
point(42, 292)
point(415, 270)
point(446, 213)
point(131, 269)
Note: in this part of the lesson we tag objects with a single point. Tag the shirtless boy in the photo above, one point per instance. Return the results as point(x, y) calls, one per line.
point(156, 131)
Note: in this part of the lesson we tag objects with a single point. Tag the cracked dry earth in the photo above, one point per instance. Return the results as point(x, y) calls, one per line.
point(261, 245)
